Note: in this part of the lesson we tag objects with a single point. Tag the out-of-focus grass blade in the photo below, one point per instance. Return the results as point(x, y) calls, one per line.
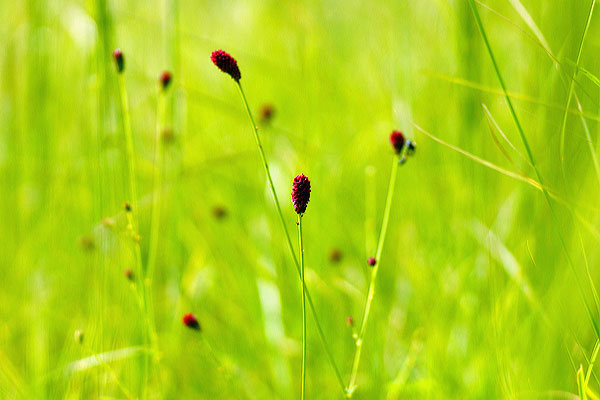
point(590, 76)
point(581, 384)
point(526, 17)
point(500, 252)
point(110, 356)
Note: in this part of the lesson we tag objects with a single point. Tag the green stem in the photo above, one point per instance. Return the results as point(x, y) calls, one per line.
point(301, 251)
point(371, 292)
point(157, 188)
point(289, 240)
point(572, 86)
point(132, 219)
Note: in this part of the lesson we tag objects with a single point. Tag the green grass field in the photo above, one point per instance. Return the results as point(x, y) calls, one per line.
point(486, 283)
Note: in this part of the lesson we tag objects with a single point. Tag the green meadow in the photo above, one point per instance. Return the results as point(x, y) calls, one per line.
point(126, 203)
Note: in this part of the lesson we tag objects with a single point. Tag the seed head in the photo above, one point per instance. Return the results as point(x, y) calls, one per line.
point(119, 60)
point(371, 261)
point(165, 79)
point(191, 321)
point(226, 63)
point(300, 193)
point(128, 274)
point(397, 141)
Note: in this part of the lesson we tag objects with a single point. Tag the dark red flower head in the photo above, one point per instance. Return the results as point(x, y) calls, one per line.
point(119, 60)
point(226, 63)
point(191, 321)
point(165, 80)
point(371, 261)
point(397, 141)
point(300, 193)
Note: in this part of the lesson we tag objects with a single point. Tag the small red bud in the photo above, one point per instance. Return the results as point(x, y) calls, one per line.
point(371, 261)
point(165, 79)
point(191, 321)
point(119, 60)
point(129, 274)
point(397, 141)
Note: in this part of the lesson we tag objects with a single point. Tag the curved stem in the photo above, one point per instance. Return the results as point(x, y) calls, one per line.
point(371, 292)
point(289, 240)
point(301, 251)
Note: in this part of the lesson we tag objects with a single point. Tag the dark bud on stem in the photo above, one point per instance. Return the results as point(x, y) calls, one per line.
point(87, 243)
point(371, 261)
point(165, 80)
point(78, 336)
point(335, 256)
point(127, 206)
point(119, 60)
point(219, 212)
point(129, 274)
point(300, 193)
point(226, 63)
point(191, 321)
point(266, 113)
point(397, 141)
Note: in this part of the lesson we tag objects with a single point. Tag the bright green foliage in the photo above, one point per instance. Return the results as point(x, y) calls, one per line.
point(486, 286)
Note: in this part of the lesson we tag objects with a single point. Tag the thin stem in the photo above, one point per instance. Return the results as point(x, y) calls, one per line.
point(572, 86)
point(289, 240)
point(301, 251)
point(157, 187)
point(132, 220)
point(371, 292)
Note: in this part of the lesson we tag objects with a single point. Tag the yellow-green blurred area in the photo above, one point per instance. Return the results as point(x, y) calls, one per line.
point(486, 282)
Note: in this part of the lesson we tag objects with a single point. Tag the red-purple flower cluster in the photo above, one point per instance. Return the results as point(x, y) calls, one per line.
point(300, 193)
point(191, 321)
point(397, 141)
point(226, 63)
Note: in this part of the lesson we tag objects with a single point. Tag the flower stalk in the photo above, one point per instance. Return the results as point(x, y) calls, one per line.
point(403, 149)
point(228, 65)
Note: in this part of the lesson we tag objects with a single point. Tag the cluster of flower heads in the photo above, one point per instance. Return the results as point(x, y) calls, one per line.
point(301, 185)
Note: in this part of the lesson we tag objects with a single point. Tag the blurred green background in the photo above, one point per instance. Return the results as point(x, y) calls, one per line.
point(476, 296)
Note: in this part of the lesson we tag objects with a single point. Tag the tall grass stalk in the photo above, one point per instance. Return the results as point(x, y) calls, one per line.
point(157, 185)
point(301, 256)
point(374, 271)
point(133, 224)
point(288, 239)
